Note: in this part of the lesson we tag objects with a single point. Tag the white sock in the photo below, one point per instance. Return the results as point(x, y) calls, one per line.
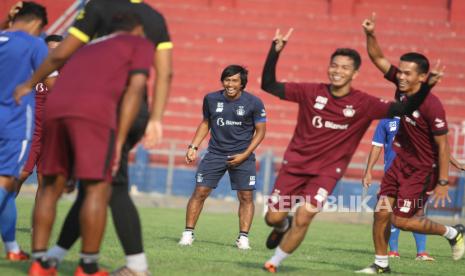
point(278, 257)
point(382, 261)
point(137, 262)
point(283, 227)
point(451, 232)
point(12, 247)
point(57, 252)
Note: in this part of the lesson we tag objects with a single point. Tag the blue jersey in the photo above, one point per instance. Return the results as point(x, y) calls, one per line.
point(20, 55)
point(384, 136)
point(232, 123)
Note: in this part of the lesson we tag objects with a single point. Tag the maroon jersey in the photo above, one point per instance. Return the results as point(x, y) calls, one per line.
point(414, 141)
point(92, 81)
point(328, 128)
point(41, 97)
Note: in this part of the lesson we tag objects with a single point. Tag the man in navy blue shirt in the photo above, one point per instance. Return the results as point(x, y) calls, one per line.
point(384, 136)
point(21, 52)
point(236, 121)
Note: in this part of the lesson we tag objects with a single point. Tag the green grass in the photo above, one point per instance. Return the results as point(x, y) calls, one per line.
point(329, 249)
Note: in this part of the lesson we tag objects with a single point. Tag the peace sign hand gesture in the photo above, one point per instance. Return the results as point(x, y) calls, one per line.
point(281, 40)
point(369, 24)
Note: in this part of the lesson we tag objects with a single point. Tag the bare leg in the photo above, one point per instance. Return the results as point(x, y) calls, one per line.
point(302, 219)
point(382, 225)
point(195, 205)
point(93, 214)
point(45, 211)
point(19, 183)
point(246, 210)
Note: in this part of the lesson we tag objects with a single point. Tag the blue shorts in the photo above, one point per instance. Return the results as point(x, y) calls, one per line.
point(13, 155)
point(213, 167)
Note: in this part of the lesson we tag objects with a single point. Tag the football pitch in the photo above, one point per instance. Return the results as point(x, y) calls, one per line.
point(330, 248)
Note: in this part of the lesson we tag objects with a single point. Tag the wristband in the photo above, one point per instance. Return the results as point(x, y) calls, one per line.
point(443, 182)
point(192, 147)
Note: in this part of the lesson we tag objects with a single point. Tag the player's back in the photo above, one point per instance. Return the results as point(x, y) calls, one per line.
point(20, 55)
point(98, 22)
point(92, 82)
point(17, 50)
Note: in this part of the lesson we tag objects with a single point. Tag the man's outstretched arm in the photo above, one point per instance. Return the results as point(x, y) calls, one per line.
point(269, 83)
point(373, 48)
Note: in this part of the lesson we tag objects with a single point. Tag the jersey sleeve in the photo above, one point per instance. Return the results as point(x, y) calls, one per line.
point(39, 54)
point(87, 22)
point(205, 109)
point(379, 137)
point(142, 56)
point(298, 92)
point(259, 113)
point(163, 40)
point(391, 74)
point(377, 108)
point(435, 115)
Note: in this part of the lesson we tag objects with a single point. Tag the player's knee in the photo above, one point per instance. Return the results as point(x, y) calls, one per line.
point(245, 197)
point(274, 218)
point(201, 194)
point(401, 223)
point(381, 216)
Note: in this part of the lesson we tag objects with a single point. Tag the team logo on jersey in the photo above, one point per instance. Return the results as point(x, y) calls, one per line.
point(349, 111)
point(392, 126)
point(439, 123)
point(199, 178)
point(320, 102)
point(4, 38)
point(220, 121)
point(219, 106)
point(240, 110)
point(416, 114)
point(263, 114)
point(252, 180)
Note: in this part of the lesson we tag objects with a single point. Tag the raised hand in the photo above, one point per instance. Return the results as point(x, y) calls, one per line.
point(436, 74)
point(14, 9)
point(281, 40)
point(369, 24)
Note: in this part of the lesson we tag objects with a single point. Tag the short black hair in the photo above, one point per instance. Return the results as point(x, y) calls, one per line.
point(30, 11)
point(351, 53)
point(125, 22)
point(420, 60)
point(54, 38)
point(234, 69)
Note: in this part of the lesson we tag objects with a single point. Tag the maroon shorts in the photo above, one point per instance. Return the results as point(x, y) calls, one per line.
point(78, 148)
point(409, 185)
point(35, 156)
point(290, 189)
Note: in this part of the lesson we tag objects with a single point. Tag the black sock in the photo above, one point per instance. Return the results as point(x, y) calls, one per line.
point(88, 262)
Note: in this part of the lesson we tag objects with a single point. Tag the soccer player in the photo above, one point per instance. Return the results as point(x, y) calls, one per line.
point(92, 22)
point(421, 166)
point(331, 121)
point(384, 136)
point(87, 117)
point(236, 120)
point(21, 52)
point(41, 92)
